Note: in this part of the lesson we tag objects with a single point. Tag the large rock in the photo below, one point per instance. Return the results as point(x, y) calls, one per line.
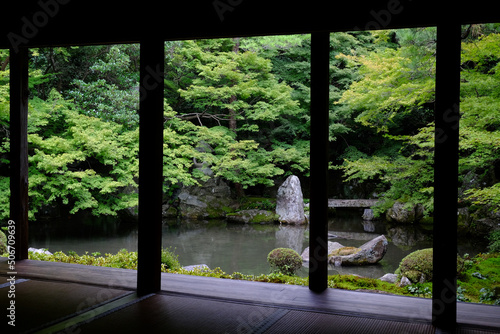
point(331, 247)
point(209, 200)
point(369, 253)
point(290, 202)
point(405, 213)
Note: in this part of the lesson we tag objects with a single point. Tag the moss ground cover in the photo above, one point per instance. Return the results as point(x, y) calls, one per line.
point(478, 282)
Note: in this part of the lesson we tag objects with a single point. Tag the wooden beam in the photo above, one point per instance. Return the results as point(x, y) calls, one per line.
point(150, 165)
point(318, 241)
point(446, 176)
point(19, 149)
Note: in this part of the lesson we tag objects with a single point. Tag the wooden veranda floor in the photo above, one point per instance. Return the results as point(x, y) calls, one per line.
point(56, 297)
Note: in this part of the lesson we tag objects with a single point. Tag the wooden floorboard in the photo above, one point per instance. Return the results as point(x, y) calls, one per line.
point(256, 294)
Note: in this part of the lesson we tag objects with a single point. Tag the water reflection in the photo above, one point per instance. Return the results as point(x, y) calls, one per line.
point(232, 247)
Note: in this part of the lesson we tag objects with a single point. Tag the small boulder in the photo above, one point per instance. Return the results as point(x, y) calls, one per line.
point(39, 251)
point(290, 202)
point(391, 278)
point(202, 267)
point(404, 281)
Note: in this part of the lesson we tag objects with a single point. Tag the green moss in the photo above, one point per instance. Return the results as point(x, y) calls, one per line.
point(345, 251)
point(480, 281)
point(265, 218)
point(352, 282)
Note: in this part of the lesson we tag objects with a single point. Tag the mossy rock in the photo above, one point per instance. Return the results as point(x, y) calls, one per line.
point(3, 243)
point(417, 266)
point(345, 251)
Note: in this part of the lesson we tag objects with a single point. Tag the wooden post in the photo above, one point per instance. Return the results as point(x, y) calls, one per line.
point(19, 149)
point(150, 166)
point(447, 116)
point(318, 241)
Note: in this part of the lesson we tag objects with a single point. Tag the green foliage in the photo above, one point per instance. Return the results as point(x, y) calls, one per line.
point(234, 85)
point(480, 280)
point(420, 290)
point(242, 107)
point(3, 242)
point(225, 84)
point(102, 81)
point(494, 245)
point(394, 97)
point(79, 160)
point(169, 259)
point(285, 260)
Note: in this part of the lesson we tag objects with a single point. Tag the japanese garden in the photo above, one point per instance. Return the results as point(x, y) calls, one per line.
point(236, 128)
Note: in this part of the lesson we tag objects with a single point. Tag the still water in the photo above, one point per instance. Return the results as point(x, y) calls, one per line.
point(232, 247)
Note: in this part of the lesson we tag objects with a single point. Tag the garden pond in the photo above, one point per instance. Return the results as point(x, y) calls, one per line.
point(237, 247)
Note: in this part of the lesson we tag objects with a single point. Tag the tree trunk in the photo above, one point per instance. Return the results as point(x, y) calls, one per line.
point(232, 113)
point(232, 120)
point(5, 63)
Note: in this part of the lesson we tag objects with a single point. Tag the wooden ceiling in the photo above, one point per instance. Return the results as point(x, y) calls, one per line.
point(79, 22)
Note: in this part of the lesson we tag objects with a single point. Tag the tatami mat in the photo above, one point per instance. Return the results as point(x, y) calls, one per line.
point(40, 303)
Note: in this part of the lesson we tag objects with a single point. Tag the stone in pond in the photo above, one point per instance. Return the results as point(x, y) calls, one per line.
point(290, 202)
point(368, 253)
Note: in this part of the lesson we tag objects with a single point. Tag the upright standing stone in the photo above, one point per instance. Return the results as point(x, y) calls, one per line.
point(290, 203)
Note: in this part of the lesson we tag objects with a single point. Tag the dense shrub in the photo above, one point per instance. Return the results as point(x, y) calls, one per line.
point(284, 260)
point(417, 266)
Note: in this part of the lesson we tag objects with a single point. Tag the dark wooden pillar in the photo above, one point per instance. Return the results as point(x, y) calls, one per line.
point(19, 149)
point(446, 176)
point(150, 166)
point(318, 241)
